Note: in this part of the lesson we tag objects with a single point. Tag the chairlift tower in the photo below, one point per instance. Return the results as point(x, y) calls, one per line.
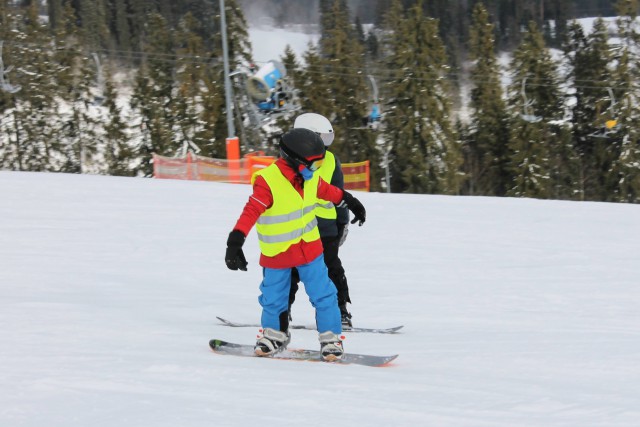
point(232, 143)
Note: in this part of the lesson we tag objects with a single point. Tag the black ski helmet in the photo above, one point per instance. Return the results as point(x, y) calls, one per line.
point(301, 147)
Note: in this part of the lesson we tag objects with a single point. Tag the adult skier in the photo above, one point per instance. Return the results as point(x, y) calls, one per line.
point(332, 220)
point(282, 207)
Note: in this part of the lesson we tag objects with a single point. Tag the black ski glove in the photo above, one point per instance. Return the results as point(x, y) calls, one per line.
point(354, 205)
point(235, 257)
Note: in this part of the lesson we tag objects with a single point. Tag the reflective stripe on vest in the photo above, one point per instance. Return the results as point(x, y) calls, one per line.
point(290, 218)
point(324, 208)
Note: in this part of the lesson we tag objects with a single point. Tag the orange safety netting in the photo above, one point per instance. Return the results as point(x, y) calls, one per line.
point(199, 168)
point(356, 176)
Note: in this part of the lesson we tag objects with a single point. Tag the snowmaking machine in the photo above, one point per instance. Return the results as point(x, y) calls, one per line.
point(261, 96)
point(267, 87)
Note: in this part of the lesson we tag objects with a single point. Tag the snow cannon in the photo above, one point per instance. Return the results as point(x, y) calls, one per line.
point(265, 80)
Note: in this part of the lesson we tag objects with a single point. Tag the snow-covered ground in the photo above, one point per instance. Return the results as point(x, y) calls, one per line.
point(517, 312)
point(270, 43)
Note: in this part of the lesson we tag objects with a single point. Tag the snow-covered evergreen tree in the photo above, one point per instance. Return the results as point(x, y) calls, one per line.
point(425, 157)
point(35, 131)
point(191, 69)
point(486, 160)
point(624, 175)
point(348, 96)
point(590, 58)
point(536, 103)
point(153, 94)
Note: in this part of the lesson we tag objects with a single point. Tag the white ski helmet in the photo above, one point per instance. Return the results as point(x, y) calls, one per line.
point(317, 123)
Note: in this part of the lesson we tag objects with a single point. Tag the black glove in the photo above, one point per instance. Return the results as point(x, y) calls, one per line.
point(354, 205)
point(235, 257)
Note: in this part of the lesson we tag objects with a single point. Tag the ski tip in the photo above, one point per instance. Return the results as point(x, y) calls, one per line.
point(394, 330)
point(215, 343)
point(387, 362)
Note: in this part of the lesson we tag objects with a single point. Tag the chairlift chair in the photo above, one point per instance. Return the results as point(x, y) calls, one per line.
point(373, 119)
point(98, 98)
point(4, 81)
point(527, 115)
point(610, 126)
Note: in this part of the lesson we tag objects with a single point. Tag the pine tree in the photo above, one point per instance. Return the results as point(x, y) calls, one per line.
point(314, 87)
point(624, 175)
point(206, 13)
point(342, 57)
point(6, 24)
point(94, 21)
point(34, 127)
point(153, 94)
point(487, 149)
point(211, 138)
point(536, 102)
point(285, 120)
point(119, 155)
point(590, 57)
point(9, 135)
point(76, 75)
point(122, 28)
point(425, 155)
point(190, 76)
point(55, 12)
point(140, 11)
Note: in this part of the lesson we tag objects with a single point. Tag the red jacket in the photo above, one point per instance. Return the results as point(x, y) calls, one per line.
point(262, 199)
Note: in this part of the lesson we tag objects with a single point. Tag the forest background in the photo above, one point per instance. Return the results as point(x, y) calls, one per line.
point(495, 98)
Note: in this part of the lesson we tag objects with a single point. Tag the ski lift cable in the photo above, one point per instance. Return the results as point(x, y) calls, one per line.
point(175, 58)
point(384, 74)
point(350, 71)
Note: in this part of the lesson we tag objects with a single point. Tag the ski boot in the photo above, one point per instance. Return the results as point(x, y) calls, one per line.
point(345, 317)
point(330, 346)
point(271, 342)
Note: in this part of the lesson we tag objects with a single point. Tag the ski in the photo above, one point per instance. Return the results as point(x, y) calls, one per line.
point(244, 350)
point(393, 330)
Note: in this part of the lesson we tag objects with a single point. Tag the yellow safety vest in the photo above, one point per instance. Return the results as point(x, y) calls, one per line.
point(290, 218)
point(325, 209)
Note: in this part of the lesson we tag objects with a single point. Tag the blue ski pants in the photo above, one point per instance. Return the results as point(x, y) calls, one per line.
point(274, 297)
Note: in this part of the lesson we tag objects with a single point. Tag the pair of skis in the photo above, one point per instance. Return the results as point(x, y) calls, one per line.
point(244, 350)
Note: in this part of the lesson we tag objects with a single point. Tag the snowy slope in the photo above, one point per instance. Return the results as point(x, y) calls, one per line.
point(517, 312)
point(270, 43)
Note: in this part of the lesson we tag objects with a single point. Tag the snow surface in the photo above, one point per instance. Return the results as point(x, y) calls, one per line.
point(517, 312)
point(269, 43)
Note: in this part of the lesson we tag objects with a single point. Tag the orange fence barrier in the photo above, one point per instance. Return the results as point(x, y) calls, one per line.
point(199, 168)
point(356, 176)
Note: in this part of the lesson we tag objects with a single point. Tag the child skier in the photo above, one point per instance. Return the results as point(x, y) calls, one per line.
point(282, 206)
